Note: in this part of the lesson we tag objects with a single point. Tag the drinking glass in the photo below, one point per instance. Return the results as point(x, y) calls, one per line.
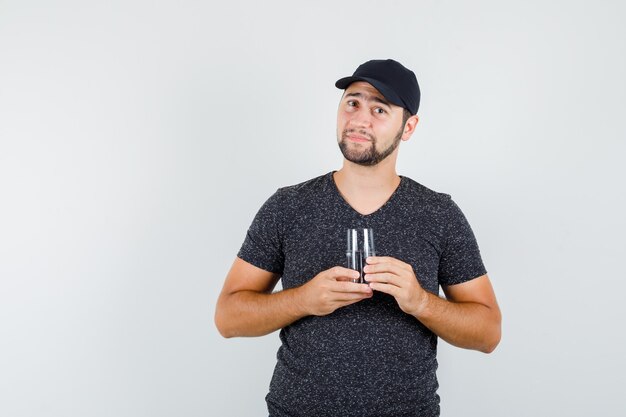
point(368, 244)
point(359, 247)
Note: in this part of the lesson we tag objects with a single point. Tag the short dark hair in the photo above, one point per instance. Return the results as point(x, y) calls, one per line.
point(405, 116)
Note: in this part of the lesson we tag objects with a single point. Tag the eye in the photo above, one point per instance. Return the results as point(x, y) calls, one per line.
point(351, 103)
point(379, 110)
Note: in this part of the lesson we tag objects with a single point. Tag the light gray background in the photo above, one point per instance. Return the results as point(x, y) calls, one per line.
point(138, 139)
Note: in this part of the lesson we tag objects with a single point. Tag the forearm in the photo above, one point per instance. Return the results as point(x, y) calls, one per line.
point(467, 325)
point(251, 313)
point(247, 308)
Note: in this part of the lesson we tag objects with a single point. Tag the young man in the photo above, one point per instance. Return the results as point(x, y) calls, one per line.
point(361, 349)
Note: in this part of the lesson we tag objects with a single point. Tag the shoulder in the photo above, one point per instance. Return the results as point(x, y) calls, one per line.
point(313, 185)
point(435, 206)
point(293, 198)
point(313, 188)
point(425, 197)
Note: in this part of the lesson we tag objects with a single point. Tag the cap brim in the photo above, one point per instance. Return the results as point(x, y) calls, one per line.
point(387, 92)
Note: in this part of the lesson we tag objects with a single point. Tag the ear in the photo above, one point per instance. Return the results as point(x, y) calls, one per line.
point(409, 127)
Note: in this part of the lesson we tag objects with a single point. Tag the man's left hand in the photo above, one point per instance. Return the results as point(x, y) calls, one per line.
point(396, 278)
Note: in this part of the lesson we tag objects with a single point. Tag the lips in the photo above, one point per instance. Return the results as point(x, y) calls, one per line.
point(356, 137)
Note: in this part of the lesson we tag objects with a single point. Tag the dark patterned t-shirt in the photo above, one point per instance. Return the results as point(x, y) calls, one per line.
point(368, 358)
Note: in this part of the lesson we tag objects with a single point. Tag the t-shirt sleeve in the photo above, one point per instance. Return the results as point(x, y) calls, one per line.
point(460, 260)
point(262, 246)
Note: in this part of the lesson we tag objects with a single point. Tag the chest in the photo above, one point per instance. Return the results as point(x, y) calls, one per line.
point(317, 241)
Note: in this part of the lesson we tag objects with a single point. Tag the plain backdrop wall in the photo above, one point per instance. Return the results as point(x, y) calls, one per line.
point(139, 138)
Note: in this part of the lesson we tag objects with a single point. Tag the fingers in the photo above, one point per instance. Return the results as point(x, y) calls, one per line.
point(339, 294)
point(341, 273)
point(341, 281)
point(396, 278)
point(349, 298)
point(350, 287)
point(386, 263)
point(385, 278)
point(388, 272)
point(332, 289)
point(390, 289)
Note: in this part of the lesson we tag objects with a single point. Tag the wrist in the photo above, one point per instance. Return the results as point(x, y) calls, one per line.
point(299, 301)
point(423, 305)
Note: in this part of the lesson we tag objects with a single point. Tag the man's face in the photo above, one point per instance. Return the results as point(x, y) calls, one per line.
point(369, 128)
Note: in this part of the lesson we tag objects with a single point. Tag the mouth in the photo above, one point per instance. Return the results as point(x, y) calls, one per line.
point(356, 137)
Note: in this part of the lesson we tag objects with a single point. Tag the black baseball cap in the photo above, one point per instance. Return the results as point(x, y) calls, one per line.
point(395, 82)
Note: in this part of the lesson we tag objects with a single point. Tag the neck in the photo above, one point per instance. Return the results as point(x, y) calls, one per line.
point(366, 189)
point(380, 178)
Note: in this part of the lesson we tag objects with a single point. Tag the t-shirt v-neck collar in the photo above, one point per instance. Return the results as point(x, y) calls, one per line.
point(347, 205)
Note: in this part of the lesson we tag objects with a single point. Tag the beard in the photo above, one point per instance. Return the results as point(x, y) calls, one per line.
point(369, 156)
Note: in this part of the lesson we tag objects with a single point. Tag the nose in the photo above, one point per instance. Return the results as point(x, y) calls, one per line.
point(361, 118)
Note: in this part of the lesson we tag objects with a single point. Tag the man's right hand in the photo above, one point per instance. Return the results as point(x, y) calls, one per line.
point(248, 307)
point(332, 289)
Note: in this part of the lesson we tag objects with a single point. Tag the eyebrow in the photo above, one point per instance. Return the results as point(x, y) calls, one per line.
point(374, 98)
